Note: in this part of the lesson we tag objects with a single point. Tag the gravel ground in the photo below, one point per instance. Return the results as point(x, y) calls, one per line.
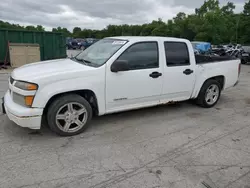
point(177, 146)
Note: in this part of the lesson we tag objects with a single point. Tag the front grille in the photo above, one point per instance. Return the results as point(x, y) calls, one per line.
point(11, 80)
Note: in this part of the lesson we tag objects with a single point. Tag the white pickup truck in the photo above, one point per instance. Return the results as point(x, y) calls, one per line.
point(115, 74)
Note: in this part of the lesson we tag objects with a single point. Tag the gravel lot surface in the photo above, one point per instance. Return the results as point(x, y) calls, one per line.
point(177, 146)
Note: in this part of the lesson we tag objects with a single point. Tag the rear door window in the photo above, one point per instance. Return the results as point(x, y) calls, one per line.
point(176, 54)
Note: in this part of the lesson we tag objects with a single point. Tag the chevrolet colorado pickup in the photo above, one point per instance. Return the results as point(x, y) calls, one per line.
point(115, 74)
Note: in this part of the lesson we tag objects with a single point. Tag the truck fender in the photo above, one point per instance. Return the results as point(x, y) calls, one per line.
point(68, 86)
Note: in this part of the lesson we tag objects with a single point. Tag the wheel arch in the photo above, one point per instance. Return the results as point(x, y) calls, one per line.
point(201, 99)
point(87, 94)
point(220, 79)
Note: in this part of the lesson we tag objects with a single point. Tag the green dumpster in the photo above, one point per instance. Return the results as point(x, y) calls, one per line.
point(52, 45)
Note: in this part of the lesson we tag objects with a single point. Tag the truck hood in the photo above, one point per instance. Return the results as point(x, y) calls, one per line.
point(49, 69)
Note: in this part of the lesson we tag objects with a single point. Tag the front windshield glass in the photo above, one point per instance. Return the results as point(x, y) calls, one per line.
point(98, 53)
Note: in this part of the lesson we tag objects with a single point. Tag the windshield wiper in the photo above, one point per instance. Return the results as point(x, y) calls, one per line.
point(82, 60)
point(77, 59)
point(86, 61)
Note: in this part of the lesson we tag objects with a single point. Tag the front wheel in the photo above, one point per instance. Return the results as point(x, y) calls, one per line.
point(209, 94)
point(69, 115)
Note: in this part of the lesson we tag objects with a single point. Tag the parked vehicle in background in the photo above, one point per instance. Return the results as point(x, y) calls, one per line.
point(90, 41)
point(219, 50)
point(246, 48)
point(236, 51)
point(82, 43)
point(115, 74)
point(85, 43)
point(71, 43)
point(245, 57)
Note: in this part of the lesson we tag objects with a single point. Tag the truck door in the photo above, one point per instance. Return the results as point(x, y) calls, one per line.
point(179, 75)
point(141, 84)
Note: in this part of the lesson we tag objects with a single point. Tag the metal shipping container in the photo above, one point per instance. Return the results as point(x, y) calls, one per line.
point(52, 45)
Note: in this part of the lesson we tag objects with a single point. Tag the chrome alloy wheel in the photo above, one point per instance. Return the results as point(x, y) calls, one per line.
point(212, 94)
point(71, 117)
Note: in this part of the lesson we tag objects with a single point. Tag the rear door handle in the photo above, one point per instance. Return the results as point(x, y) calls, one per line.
point(155, 74)
point(188, 71)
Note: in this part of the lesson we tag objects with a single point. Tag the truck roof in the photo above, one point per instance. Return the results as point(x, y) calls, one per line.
point(148, 38)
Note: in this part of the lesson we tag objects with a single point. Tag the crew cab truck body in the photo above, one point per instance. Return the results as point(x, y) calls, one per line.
point(115, 74)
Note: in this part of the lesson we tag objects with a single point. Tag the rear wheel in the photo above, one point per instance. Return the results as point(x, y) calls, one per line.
point(209, 94)
point(69, 115)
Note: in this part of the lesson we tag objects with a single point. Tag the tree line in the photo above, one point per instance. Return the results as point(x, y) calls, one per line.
point(210, 22)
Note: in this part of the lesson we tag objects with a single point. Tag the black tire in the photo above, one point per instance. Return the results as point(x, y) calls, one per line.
point(201, 99)
point(61, 101)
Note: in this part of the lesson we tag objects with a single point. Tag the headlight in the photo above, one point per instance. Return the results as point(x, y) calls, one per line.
point(23, 100)
point(26, 86)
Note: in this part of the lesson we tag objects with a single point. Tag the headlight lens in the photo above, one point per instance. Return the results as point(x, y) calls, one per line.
point(26, 86)
point(23, 100)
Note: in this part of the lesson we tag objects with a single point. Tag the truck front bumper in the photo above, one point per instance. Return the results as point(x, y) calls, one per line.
point(22, 116)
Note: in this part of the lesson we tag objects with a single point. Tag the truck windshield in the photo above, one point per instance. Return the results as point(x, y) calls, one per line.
point(98, 53)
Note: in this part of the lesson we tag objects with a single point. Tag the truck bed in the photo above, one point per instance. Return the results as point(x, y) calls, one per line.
point(201, 59)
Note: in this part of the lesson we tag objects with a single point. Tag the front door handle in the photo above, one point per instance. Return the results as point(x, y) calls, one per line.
point(155, 74)
point(188, 71)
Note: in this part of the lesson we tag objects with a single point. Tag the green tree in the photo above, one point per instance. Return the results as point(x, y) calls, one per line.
point(208, 6)
point(30, 28)
point(76, 31)
point(40, 28)
point(65, 31)
point(210, 22)
point(246, 10)
point(228, 9)
point(244, 25)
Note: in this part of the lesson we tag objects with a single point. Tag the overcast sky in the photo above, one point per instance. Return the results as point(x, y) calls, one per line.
point(95, 14)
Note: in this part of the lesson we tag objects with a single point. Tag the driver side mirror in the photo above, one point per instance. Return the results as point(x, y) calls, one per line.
point(119, 65)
